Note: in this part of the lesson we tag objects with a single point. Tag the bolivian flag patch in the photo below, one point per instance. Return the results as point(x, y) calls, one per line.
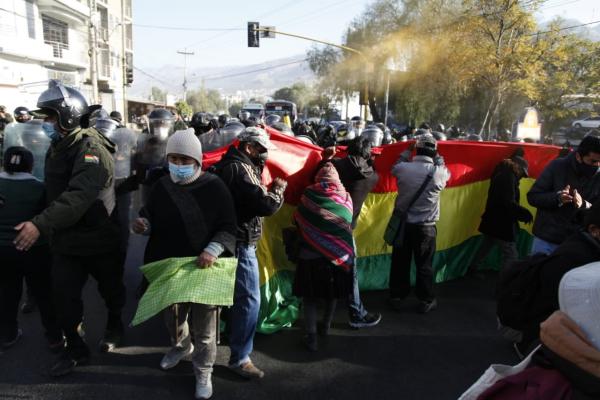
point(90, 158)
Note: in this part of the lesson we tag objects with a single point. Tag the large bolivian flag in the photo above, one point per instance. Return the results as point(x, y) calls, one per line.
point(462, 203)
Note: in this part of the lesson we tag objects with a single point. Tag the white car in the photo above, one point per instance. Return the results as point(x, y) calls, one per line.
point(590, 122)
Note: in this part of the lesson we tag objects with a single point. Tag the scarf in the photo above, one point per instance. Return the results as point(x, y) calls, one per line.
point(324, 216)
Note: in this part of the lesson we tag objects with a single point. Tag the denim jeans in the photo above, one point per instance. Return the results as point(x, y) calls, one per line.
point(356, 310)
point(246, 305)
point(542, 246)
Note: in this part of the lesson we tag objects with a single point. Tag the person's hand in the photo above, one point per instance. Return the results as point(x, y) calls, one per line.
point(140, 225)
point(28, 235)
point(577, 199)
point(205, 260)
point(412, 146)
point(279, 185)
point(329, 152)
point(525, 216)
point(564, 195)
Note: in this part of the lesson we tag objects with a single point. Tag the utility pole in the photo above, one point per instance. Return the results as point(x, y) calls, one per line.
point(185, 53)
point(124, 63)
point(93, 41)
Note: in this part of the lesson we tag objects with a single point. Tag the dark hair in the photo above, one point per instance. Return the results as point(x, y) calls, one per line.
point(425, 151)
point(18, 159)
point(360, 147)
point(589, 144)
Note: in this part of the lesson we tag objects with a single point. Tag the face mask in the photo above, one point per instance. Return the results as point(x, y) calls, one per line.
point(50, 131)
point(181, 172)
point(586, 170)
point(261, 159)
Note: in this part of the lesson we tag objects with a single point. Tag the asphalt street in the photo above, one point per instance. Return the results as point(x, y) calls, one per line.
point(407, 356)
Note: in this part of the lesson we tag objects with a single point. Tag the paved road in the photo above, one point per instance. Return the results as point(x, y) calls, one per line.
point(408, 356)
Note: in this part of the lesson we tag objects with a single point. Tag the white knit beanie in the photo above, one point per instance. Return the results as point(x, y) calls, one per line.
point(186, 143)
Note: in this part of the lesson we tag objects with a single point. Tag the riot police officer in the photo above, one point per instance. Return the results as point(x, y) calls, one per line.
point(78, 219)
point(223, 120)
point(201, 122)
point(22, 114)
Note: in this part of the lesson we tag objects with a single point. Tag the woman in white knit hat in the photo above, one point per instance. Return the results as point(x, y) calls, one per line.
point(189, 213)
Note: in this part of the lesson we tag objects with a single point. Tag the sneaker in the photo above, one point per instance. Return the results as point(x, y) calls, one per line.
point(395, 303)
point(367, 321)
point(174, 355)
point(247, 370)
point(11, 342)
point(204, 389)
point(310, 342)
point(29, 305)
point(112, 338)
point(427, 306)
point(67, 362)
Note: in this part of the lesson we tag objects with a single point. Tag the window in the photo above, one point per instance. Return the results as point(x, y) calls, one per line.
point(30, 18)
point(56, 34)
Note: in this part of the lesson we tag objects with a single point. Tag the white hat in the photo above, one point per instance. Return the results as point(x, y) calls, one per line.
point(185, 142)
point(579, 298)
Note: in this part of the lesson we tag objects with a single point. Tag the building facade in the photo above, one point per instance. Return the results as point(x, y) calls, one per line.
point(55, 39)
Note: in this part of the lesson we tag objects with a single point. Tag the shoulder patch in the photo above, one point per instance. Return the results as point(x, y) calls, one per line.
point(91, 158)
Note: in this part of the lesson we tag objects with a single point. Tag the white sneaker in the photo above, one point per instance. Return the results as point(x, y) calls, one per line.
point(174, 355)
point(204, 389)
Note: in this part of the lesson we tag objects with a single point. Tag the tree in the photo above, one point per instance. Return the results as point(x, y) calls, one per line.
point(156, 94)
point(235, 108)
point(203, 100)
point(183, 108)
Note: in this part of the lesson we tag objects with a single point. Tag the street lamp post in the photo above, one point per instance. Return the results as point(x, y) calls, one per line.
point(185, 53)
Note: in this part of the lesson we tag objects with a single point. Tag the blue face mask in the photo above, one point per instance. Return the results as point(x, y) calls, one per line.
point(181, 172)
point(50, 131)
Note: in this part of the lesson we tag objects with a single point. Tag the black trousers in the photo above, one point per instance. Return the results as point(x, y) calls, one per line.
point(70, 274)
point(35, 266)
point(419, 242)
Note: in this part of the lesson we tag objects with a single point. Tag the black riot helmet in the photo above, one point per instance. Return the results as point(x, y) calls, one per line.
point(68, 104)
point(22, 114)
point(272, 119)
point(201, 122)
point(223, 119)
point(161, 123)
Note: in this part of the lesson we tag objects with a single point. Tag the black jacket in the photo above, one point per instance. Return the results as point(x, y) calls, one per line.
point(358, 177)
point(578, 250)
point(502, 210)
point(553, 223)
point(252, 200)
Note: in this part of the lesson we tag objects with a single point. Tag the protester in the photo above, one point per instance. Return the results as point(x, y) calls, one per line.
point(79, 217)
point(358, 176)
point(565, 185)
point(182, 221)
point(241, 170)
point(22, 196)
point(325, 259)
point(500, 221)
point(419, 240)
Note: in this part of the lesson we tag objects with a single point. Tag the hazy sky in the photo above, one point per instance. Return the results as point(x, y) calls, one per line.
point(324, 19)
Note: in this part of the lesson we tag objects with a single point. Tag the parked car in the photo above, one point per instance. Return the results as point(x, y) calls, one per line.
point(590, 122)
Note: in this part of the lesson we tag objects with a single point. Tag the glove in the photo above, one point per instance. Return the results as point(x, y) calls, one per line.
point(525, 216)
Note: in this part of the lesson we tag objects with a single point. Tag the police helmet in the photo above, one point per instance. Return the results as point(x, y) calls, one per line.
point(68, 104)
point(223, 119)
point(200, 120)
point(272, 119)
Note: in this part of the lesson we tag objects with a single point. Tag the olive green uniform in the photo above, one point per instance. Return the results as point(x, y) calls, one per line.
point(82, 227)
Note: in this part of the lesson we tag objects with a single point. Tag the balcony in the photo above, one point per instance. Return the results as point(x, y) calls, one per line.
point(60, 55)
point(104, 65)
point(70, 11)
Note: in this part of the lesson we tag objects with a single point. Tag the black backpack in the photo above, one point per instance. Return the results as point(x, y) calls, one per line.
point(517, 288)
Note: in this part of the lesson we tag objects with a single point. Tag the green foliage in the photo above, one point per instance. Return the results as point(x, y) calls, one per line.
point(156, 94)
point(206, 100)
point(476, 67)
point(234, 109)
point(183, 108)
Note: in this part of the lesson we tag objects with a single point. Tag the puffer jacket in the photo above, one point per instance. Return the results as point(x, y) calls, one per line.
point(555, 223)
point(252, 199)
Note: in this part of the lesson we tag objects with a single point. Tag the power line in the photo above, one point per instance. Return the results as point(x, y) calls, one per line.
point(253, 71)
point(177, 28)
point(565, 28)
point(151, 76)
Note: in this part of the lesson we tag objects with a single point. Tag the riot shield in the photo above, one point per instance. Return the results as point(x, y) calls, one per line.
point(126, 146)
point(31, 136)
point(373, 134)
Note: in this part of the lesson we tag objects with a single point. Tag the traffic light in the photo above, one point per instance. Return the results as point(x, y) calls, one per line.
point(129, 75)
point(253, 34)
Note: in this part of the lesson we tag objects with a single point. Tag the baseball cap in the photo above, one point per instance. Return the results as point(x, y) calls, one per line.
point(426, 141)
point(257, 135)
point(579, 298)
point(521, 162)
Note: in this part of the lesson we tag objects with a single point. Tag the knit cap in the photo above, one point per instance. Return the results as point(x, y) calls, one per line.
point(186, 143)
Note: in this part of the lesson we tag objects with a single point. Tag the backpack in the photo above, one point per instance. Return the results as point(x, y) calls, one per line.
point(517, 288)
